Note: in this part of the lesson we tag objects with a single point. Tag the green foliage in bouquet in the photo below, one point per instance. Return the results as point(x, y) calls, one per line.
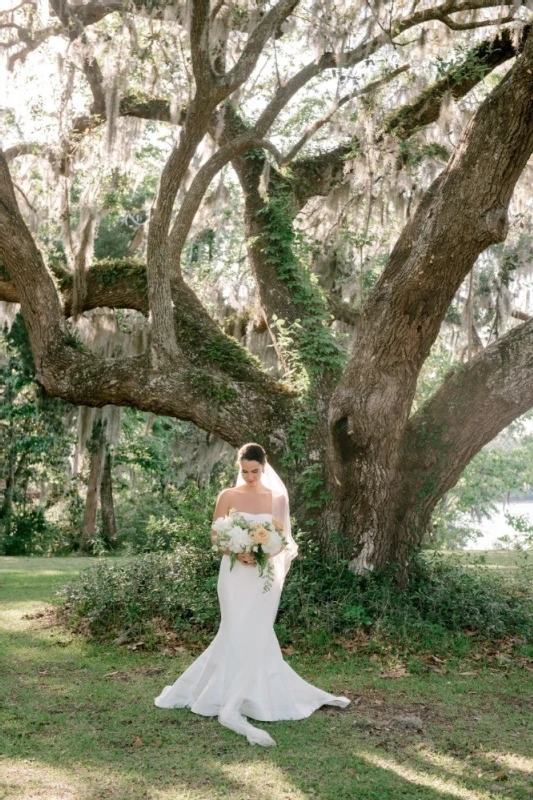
point(234, 520)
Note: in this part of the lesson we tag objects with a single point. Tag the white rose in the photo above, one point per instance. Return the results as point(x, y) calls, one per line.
point(220, 524)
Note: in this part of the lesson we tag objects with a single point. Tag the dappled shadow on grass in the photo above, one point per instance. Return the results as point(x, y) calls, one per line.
point(500, 769)
point(27, 567)
point(446, 786)
point(217, 768)
point(48, 565)
point(79, 720)
point(103, 738)
point(240, 780)
point(511, 761)
point(211, 763)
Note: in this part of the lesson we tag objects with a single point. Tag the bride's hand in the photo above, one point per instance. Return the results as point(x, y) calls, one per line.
point(246, 558)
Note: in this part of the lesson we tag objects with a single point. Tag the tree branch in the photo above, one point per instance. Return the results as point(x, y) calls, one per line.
point(488, 55)
point(33, 282)
point(20, 5)
point(95, 10)
point(255, 44)
point(462, 213)
point(315, 126)
point(467, 26)
point(95, 79)
point(209, 94)
point(28, 148)
point(246, 139)
point(473, 404)
point(460, 80)
point(517, 314)
point(195, 124)
point(122, 284)
point(200, 56)
point(29, 43)
point(351, 58)
point(234, 410)
point(235, 401)
point(199, 186)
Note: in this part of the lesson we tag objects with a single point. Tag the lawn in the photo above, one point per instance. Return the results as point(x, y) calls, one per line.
point(78, 720)
point(493, 559)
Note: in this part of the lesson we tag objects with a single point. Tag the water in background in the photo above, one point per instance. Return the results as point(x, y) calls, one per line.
point(497, 526)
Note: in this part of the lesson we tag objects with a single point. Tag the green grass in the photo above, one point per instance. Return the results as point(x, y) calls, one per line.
point(78, 720)
point(493, 559)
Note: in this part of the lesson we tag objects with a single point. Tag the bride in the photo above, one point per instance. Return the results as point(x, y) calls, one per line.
point(242, 672)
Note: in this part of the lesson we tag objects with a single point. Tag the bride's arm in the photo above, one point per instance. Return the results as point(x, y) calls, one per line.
point(281, 509)
point(221, 509)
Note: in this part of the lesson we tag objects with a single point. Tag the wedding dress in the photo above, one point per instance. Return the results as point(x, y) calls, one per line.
point(242, 671)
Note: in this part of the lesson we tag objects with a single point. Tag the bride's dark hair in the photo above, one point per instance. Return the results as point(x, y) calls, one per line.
point(251, 451)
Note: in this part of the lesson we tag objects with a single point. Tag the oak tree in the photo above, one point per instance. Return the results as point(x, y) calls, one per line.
point(225, 80)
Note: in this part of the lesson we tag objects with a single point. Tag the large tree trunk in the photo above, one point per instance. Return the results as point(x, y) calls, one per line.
point(6, 510)
point(97, 448)
point(107, 506)
point(14, 469)
point(463, 212)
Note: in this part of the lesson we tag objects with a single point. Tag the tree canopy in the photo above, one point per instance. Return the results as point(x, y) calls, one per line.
point(342, 176)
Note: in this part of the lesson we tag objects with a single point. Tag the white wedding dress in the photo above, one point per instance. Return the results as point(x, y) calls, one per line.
point(242, 671)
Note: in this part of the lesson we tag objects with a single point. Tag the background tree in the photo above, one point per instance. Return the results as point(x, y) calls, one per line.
point(362, 222)
point(37, 435)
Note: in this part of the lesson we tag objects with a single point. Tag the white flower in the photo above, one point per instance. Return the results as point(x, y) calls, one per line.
point(239, 539)
point(274, 543)
point(220, 524)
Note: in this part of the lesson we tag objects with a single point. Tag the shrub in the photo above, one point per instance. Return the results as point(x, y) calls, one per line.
point(445, 597)
point(152, 524)
point(32, 535)
point(112, 599)
point(321, 600)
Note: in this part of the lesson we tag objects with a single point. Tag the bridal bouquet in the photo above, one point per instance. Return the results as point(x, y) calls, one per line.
point(241, 535)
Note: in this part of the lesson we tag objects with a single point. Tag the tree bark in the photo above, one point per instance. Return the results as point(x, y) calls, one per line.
point(97, 449)
point(6, 511)
point(107, 506)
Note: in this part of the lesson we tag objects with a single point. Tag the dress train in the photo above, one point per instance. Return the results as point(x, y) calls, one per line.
point(242, 672)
